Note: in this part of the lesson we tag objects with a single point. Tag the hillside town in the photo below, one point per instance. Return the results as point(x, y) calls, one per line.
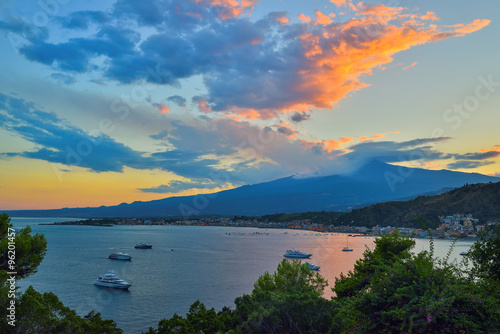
point(453, 226)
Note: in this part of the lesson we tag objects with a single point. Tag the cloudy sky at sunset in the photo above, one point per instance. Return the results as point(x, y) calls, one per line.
point(104, 102)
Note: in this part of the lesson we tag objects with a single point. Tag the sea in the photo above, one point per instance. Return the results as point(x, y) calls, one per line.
point(187, 263)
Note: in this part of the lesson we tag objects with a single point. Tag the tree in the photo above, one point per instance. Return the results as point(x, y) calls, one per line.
point(21, 252)
point(291, 276)
point(45, 313)
point(485, 254)
point(415, 294)
point(288, 301)
point(198, 320)
point(29, 249)
point(388, 248)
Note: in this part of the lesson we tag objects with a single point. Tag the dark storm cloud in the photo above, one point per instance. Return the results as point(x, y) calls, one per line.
point(63, 78)
point(178, 100)
point(300, 117)
point(467, 164)
point(82, 19)
point(178, 186)
point(286, 131)
point(390, 151)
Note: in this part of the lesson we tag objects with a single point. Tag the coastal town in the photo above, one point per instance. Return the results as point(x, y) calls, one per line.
point(457, 225)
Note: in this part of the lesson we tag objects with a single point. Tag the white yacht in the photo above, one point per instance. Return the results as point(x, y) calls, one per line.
point(120, 256)
point(294, 254)
point(110, 280)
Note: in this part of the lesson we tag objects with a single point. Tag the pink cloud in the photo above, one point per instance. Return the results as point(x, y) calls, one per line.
point(376, 136)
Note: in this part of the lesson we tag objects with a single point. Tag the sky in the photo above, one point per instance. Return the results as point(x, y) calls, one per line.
point(109, 102)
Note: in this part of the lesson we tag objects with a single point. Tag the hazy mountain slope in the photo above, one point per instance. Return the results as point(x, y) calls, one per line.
point(373, 183)
point(480, 200)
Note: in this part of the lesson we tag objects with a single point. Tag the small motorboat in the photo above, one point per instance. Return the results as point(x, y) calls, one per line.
point(143, 245)
point(464, 253)
point(120, 256)
point(313, 267)
point(110, 280)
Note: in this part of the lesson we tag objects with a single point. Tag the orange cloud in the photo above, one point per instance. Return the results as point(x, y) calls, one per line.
point(431, 165)
point(203, 105)
point(304, 18)
point(382, 12)
point(163, 108)
point(360, 45)
point(327, 145)
point(283, 19)
point(230, 8)
point(377, 136)
point(495, 148)
point(412, 64)
point(338, 3)
point(322, 18)
point(470, 28)
point(333, 144)
point(334, 58)
point(430, 16)
point(287, 130)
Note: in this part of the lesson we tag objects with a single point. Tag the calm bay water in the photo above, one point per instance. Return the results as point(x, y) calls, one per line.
point(212, 264)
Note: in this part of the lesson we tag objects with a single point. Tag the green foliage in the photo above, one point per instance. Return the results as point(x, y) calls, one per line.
point(288, 301)
point(390, 290)
point(485, 254)
point(388, 248)
point(29, 249)
point(404, 293)
point(44, 313)
point(414, 295)
point(198, 320)
point(291, 276)
point(37, 313)
point(25, 252)
point(289, 312)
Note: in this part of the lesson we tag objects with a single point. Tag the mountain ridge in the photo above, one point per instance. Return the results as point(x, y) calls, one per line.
point(372, 183)
point(482, 200)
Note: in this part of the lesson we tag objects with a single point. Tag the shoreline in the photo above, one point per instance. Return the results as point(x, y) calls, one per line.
point(305, 229)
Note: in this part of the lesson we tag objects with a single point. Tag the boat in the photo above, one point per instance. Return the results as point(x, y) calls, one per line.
point(294, 254)
point(143, 245)
point(346, 248)
point(120, 256)
point(312, 266)
point(110, 280)
point(464, 253)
